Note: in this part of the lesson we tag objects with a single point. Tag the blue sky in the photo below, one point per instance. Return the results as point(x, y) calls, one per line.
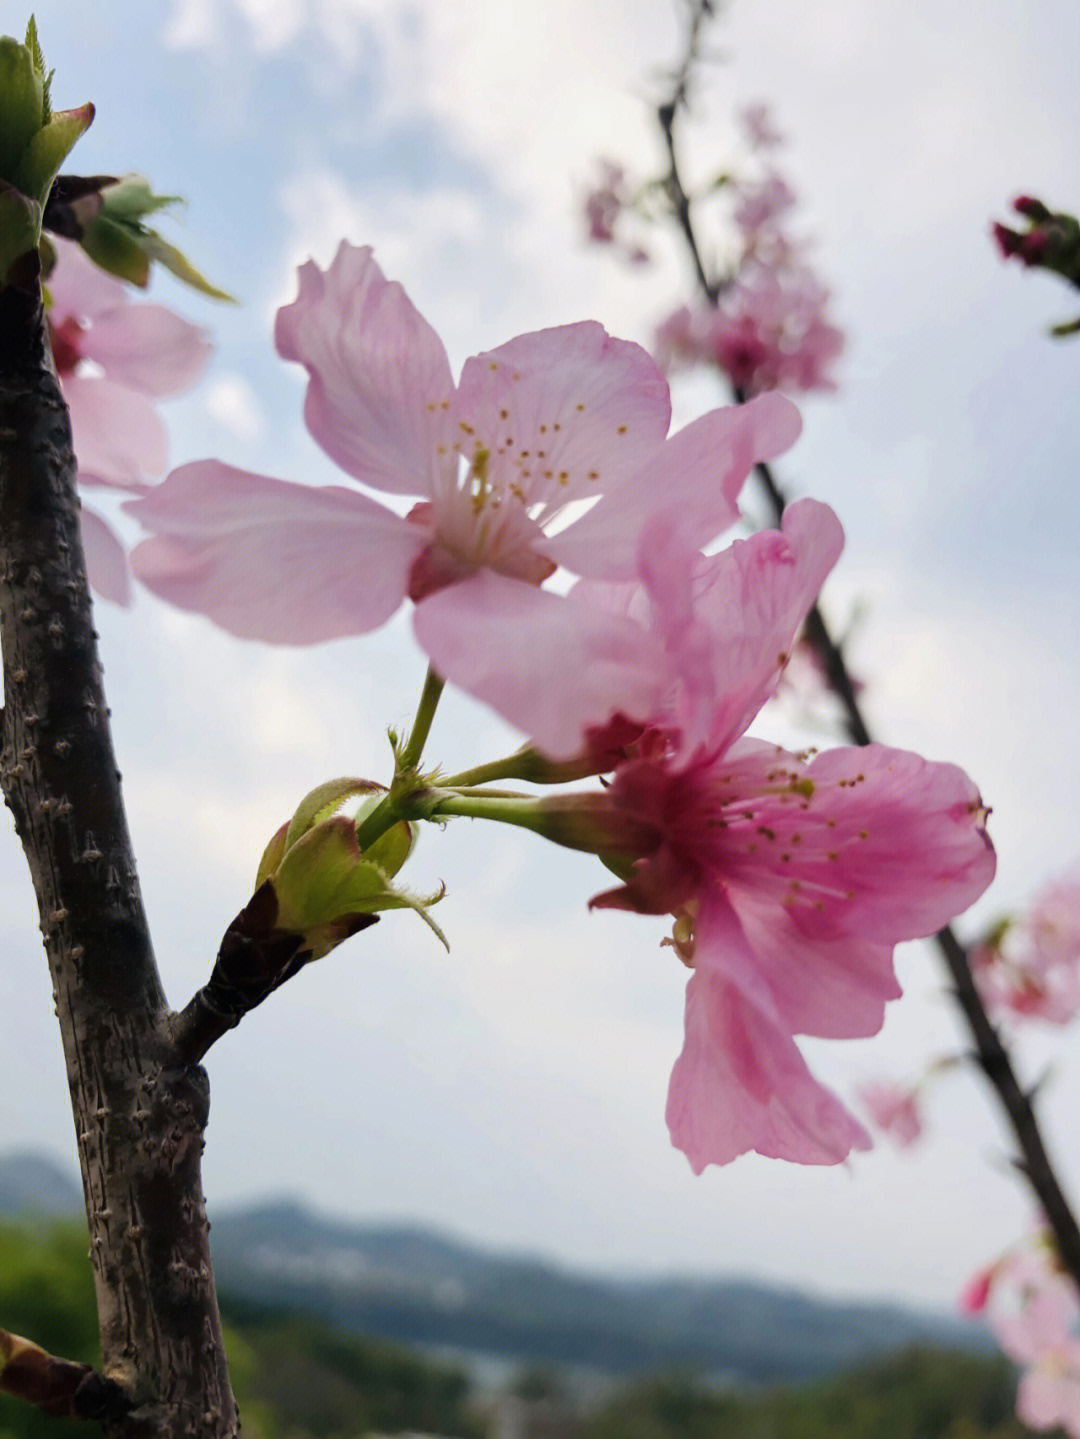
point(513, 1091)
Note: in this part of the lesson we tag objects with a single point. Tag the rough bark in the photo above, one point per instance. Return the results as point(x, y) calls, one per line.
point(140, 1112)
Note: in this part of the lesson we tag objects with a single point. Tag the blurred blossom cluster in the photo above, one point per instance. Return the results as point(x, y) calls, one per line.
point(1031, 1305)
point(605, 205)
point(769, 329)
point(1030, 968)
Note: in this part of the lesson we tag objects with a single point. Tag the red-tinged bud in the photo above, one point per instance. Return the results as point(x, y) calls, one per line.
point(1009, 241)
point(1031, 209)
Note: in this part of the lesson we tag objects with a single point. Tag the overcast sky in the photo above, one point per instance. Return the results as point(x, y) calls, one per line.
point(513, 1091)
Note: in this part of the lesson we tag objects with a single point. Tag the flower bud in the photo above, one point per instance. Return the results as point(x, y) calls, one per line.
point(34, 142)
point(324, 886)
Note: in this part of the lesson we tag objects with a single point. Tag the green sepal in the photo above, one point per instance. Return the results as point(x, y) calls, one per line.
point(178, 264)
point(273, 854)
point(114, 249)
point(117, 240)
point(325, 879)
point(49, 148)
point(323, 801)
point(20, 225)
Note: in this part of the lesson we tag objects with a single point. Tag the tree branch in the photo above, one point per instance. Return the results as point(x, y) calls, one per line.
point(58, 1387)
point(139, 1114)
point(990, 1053)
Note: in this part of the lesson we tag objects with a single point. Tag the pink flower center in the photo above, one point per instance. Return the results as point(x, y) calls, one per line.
point(66, 347)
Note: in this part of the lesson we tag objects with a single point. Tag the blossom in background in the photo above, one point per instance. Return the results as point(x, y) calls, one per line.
point(759, 127)
point(603, 207)
point(769, 328)
point(114, 358)
point(530, 431)
point(1031, 968)
point(895, 1110)
point(1032, 1306)
point(769, 331)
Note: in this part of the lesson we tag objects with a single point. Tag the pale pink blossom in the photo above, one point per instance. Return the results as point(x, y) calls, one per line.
point(604, 206)
point(895, 1110)
point(760, 128)
point(1031, 968)
point(495, 464)
point(114, 358)
point(761, 203)
point(791, 877)
point(604, 202)
point(1033, 1308)
point(769, 331)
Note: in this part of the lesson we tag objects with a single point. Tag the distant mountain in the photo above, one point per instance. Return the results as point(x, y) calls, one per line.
point(409, 1284)
point(34, 1187)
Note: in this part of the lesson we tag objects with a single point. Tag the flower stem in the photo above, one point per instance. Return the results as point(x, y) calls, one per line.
point(409, 756)
point(527, 764)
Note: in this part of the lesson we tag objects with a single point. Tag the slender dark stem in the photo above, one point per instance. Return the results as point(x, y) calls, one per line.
point(990, 1053)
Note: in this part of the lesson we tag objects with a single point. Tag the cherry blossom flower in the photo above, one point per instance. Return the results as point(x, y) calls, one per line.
point(895, 1110)
point(1031, 968)
point(791, 877)
point(114, 358)
point(1033, 1308)
point(532, 432)
point(769, 331)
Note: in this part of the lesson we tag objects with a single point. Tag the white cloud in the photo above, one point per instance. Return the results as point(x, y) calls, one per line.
point(232, 402)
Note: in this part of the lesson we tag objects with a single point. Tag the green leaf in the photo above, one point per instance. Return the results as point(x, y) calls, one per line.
point(179, 265)
point(21, 104)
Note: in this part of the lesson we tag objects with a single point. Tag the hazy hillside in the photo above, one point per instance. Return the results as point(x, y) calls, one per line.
point(409, 1284)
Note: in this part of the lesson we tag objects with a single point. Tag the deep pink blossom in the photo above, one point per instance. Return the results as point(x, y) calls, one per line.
point(114, 358)
point(895, 1110)
point(791, 877)
point(531, 432)
point(1031, 968)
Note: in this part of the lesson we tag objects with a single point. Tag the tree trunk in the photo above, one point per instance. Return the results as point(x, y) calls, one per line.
point(140, 1113)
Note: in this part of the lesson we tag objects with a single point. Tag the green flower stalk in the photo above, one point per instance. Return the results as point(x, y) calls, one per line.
point(34, 142)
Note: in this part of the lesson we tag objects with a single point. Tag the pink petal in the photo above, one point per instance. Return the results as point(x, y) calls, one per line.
point(118, 435)
point(1046, 1398)
point(79, 287)
point(691, 481)
point(148, 348)
point(910, 839)
point(380, 389)
point(564, 413)
point(754, 595)
point(831, 988)
point(741, 1084)
point(106, 560)
point(550, 666)
point(269, 560)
